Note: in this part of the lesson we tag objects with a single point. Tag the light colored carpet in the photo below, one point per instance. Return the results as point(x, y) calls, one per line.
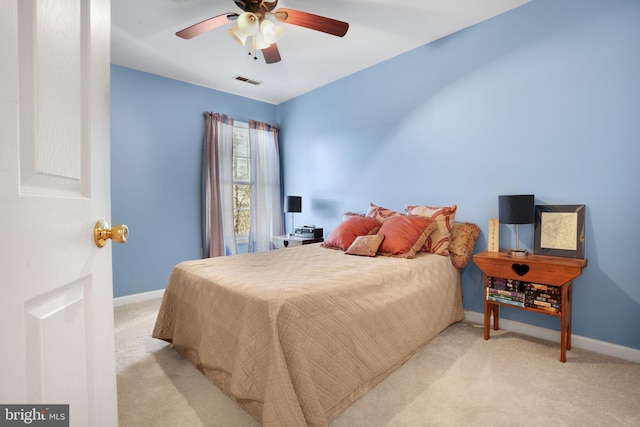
point(457, 379)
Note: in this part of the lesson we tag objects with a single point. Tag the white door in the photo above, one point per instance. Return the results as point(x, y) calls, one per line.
point(56, 298)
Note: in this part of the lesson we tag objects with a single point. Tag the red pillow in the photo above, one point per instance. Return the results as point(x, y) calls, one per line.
point(346, 232)
point(404, 235)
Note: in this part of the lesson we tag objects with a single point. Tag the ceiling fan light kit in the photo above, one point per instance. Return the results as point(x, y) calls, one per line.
point(263, 32)
point(252, 22)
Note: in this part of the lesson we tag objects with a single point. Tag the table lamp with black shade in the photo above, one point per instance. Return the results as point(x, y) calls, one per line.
point(292, 204)
point(517, 209)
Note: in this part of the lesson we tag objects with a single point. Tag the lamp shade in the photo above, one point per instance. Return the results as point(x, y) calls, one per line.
point(519, 209)
point(293, 204)
point(270, 31)
point(248, 23)
point(238, 35)
point(258, 43)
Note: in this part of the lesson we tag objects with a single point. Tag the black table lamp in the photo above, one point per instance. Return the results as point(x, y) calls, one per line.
point(293, 204)
point(516, 210)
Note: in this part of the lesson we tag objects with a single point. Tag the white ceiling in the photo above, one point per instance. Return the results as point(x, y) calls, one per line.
point(143, 38)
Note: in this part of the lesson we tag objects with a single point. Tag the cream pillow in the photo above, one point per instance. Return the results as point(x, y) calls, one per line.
point(365, 245)
point(463, 239)
point(438, 241)
point(380, 213)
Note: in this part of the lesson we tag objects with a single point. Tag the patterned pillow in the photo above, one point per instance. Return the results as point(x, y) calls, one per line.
point(365, 245)
point(348, 214)
point(380, 213)
point(438, 241)
point(346, 232)
point(404, 235)
point(463, 238)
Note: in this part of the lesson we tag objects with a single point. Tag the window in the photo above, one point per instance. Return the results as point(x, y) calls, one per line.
point(241, 181)
point(245, 190)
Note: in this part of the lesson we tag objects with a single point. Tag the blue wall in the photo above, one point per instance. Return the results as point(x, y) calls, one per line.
point(544, 99)
point(156, 135)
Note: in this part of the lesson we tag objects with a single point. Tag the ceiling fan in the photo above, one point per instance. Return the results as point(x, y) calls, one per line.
point(253, 22)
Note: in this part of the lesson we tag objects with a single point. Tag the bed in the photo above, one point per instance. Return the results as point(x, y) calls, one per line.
point(296, 335)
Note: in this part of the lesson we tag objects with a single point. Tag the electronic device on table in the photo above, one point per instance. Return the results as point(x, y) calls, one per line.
point(308, 230)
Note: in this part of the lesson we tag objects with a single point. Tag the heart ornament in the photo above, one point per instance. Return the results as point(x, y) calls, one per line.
point(520, 269)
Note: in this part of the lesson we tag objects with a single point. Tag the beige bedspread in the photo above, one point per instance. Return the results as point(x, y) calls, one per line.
point(296, 335)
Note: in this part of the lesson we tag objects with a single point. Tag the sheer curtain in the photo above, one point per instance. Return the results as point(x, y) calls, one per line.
point(218, 232)
point(266, 215)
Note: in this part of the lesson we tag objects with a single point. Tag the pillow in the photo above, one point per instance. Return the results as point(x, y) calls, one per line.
point(346, 232)
point(365, 245)
point(348, 214)
point(404, 235)
point(438, 241)
point(380, 213)
point(463, 238)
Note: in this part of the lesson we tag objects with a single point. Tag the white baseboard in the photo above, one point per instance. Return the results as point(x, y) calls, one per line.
point(130, 299)
point(602, 347)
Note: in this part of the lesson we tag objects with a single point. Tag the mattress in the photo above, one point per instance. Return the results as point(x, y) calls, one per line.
point(297, 335)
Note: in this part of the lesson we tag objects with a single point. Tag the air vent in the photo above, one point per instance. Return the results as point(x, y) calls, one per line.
point(248, 80)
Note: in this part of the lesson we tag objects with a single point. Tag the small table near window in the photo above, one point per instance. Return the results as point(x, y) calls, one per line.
point(288, 241)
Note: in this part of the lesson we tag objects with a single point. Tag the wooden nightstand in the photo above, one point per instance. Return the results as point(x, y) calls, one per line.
point(287, 241)
point(537, 283)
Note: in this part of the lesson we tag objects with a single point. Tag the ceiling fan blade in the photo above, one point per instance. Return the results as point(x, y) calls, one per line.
point(314, 22)
point(271, 54)
point(206, 25)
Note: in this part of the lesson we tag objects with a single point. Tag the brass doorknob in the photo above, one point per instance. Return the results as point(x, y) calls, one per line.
point(102, 233)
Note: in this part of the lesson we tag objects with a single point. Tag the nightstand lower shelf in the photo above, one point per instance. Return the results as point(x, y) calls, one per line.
point(492, 309)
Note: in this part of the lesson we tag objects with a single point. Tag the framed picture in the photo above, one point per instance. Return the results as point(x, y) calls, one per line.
point(559, 230)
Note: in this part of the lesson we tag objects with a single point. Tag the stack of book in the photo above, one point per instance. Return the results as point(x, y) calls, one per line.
point(543, 297)
point(506, 297)
point(506, 291)
point(525, 294)
point(506, 284)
